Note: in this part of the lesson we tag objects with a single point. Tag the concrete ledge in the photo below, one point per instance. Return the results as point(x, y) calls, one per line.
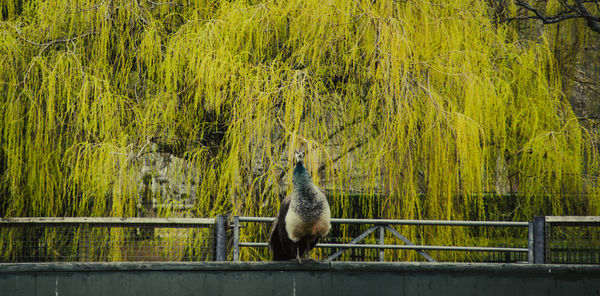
point(6, 268)
point(290, 278)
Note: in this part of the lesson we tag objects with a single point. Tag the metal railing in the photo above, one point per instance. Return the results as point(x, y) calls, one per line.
point(568, 239)
point(547, 239)
point(387, 225)
point(42, 239)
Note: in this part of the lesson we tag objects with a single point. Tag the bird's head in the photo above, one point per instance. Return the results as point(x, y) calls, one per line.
point(299, 155)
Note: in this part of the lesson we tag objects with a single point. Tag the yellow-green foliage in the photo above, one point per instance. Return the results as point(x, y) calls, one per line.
point(426, 103)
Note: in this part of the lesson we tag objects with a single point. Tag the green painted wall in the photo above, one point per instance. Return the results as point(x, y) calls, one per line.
point(267, 278)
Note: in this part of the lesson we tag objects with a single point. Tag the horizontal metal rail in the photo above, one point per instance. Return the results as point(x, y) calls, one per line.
point(572, 219)
point(107, 222)
point(406, 222)
point(405, 247)
point(417, 247)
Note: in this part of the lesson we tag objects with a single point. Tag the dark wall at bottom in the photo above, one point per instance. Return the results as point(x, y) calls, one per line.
point(268, 278)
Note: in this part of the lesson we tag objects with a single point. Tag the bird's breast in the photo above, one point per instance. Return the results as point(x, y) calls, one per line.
point(298, 226)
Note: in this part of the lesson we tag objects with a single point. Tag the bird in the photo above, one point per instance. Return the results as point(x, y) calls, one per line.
point(304, 216)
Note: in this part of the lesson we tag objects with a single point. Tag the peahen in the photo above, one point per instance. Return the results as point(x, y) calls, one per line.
point(303, 217)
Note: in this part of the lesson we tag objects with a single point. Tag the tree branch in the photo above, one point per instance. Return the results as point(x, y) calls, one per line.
point(563, 15)
point(154, 4)
point(575, 11)
point(47, 44)
point(592, 21)
point(544, 20)
point(356, 146)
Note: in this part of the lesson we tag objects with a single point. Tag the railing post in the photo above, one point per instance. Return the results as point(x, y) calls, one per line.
point(381, 242)
point(236, 238)
point(530, 244)
point(547, 241)
point(221, 238)
point(539, 237)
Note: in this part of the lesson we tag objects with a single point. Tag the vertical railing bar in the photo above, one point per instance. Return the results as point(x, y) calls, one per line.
point(547, 242)
point(221, 238)
point(538, 240)
point(236, 238)
point(530, 243)
point(381, 242)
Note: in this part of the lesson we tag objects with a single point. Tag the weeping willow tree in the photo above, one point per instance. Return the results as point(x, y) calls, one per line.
point(427, 105)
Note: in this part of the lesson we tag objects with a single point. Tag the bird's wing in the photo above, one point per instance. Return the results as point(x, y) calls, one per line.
point(279, 223)
point(279, 242)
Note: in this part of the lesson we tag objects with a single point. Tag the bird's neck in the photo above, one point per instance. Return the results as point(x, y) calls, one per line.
point(301, 178)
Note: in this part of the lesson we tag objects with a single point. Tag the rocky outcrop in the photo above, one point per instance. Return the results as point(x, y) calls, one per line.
point(165, 181)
